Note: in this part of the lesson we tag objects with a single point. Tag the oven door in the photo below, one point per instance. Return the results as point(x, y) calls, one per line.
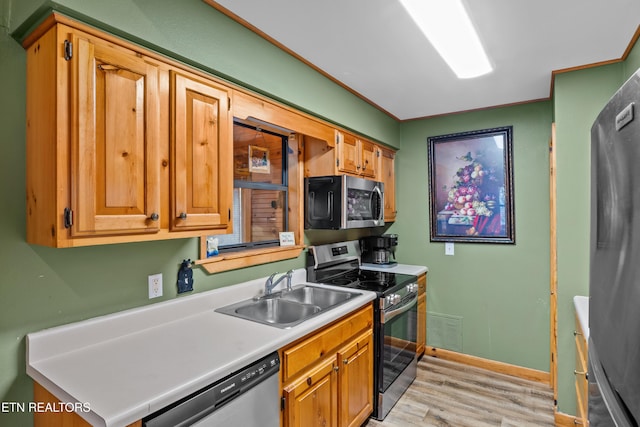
point(399, 341)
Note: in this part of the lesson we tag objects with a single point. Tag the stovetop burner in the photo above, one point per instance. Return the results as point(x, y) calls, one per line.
point(339, 264)
point(370, 280)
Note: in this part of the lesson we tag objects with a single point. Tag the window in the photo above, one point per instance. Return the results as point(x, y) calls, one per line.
point(261, 187)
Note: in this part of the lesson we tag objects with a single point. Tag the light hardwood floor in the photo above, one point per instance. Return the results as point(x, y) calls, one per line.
point(452, 394)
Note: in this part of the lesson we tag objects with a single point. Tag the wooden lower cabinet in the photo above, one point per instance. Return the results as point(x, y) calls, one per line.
point(312, 399)
point(335, 388)
point(59, 418)
point(581, 378)
point(355, 381)
point(422, 315)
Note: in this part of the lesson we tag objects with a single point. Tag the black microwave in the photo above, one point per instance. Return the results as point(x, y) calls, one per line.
point(342, 201)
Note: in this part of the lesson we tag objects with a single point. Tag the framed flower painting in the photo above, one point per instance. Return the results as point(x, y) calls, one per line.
point(471, 187)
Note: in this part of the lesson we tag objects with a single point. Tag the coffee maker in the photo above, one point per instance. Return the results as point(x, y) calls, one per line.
point(379, 250)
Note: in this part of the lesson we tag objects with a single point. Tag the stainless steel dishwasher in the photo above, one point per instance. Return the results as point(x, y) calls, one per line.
point(248, 397)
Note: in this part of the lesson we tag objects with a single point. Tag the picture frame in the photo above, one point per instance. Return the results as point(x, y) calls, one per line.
point(471, 187)
point(259, 161)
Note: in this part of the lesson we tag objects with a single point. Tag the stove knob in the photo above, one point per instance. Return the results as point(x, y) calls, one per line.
point(396, 299)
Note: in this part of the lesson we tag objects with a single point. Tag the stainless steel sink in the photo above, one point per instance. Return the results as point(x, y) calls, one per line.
point(277, 310)
point(321, 297)
point(288, 308)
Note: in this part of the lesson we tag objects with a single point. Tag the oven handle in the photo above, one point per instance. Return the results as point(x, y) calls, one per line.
point(388, 315)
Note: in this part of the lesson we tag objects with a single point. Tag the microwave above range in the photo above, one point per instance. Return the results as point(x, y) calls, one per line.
point(341, 201)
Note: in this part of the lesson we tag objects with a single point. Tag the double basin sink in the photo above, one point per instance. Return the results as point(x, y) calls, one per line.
point(288, 308)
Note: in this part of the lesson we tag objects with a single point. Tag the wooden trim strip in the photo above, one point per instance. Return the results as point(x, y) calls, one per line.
point(235, 260)
point(553, 262)
point(565, 420)
point(492, 365)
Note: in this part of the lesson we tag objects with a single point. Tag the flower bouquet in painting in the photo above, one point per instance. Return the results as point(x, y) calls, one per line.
point(471, 199)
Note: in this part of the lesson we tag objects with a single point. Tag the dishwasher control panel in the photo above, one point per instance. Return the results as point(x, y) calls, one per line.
point(246, 378)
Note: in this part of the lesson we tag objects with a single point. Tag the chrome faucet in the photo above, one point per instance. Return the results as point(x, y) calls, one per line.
point(270, 284)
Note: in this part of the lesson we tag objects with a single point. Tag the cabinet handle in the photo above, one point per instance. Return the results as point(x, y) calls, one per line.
point(577, 422)
point(575, 333)
point(335, 368)
point(345, 361)
point(586, 374)
point(183, 215)
point(154, 216)
point(108, 67)
point(309, 381)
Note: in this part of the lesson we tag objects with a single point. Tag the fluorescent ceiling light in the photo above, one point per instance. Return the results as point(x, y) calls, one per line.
point(449, 29)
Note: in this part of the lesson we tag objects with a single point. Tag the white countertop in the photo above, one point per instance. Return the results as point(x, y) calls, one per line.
point(581, 305)
point(414, 270)
point(128, 365)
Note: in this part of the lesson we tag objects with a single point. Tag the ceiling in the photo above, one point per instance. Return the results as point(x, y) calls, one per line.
point(373, 47)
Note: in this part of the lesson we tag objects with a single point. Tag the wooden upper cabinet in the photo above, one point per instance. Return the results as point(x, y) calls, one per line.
point(202, 154)
point(122, 145)
point(115, 169)
point(355, 156)
point(348, 158)
point(387, 175)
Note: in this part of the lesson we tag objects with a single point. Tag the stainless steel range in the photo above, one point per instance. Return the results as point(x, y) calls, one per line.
point(395, 316)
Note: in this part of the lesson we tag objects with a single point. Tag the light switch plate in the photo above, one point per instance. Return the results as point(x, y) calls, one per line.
point(155, 285)
point(448, 248)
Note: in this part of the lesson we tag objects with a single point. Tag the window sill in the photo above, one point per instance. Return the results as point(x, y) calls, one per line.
point(248, 258)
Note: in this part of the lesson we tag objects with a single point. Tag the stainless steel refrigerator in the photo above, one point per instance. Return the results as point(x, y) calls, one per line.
point(614, 277)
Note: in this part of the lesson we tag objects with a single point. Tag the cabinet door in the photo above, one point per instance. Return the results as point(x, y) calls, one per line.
point(348, 156)
point(355, 389)
point(422, 325)
point(202, 152)
point(115, 166)
point(387, 175)
point(312, 400)
point(368, 152)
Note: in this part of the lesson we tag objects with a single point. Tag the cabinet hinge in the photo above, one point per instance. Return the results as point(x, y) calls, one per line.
point(68, 50)
point(337, 162)
point(229, 214)
point(377, 153)
point(228, 104)
point(68, 218)
point(283, 400)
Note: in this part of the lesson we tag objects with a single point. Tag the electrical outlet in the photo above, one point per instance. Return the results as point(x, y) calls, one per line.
point(155, 285)
point(448, 248)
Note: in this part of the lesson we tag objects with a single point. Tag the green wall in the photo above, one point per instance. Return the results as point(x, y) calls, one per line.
point(500, 291)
